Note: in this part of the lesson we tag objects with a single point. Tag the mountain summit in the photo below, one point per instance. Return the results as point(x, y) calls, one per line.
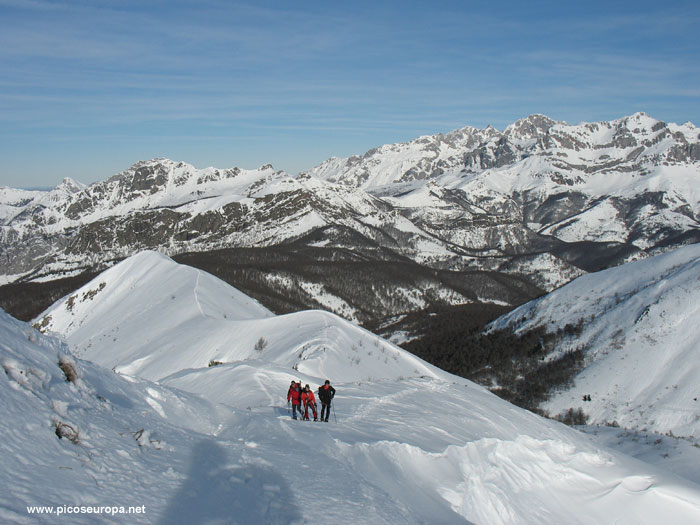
point(201, 320)
point(541, 203)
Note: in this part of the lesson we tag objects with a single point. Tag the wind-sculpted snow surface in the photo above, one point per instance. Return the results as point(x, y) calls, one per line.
point(125, 441)
point(638, 326)
point(411, 450)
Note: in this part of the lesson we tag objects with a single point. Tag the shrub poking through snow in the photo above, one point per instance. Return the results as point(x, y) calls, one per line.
point(573, 417)
point(143, 438)
point(64, 430)
point(260, 345)
point(69, 368)
point(215, 363)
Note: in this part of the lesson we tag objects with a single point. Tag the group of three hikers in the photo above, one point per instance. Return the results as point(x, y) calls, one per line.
point(305, 396)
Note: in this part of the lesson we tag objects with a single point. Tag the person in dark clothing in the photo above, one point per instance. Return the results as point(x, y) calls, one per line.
point(326, 393)
point(294, 395)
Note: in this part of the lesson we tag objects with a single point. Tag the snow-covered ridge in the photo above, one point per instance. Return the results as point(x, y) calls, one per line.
point(600, 146)
point(200, 320)
point(519, 201)
point(638, 326)
point(163, 183)
point(434, 448)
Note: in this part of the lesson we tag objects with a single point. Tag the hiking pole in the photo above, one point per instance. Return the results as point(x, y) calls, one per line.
point(333, 407)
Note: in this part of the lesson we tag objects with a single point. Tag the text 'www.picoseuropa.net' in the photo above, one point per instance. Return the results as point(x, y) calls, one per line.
point(64, 510)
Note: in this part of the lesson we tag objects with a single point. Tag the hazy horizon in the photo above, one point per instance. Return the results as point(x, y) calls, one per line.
point(89, 90)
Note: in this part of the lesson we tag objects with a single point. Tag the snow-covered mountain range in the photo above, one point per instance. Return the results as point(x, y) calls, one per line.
point(410, 443)
point(178, 402)
point(630, 181)
point(541, 200)
point(637, 325)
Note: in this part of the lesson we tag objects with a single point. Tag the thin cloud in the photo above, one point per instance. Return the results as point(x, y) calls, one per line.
point(330, 75)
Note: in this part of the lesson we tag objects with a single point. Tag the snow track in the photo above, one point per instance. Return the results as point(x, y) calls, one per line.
point(196, 294)
point(215, 444)
point(384, 451)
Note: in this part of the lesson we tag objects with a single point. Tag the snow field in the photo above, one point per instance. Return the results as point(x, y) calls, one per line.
point(216, 444)
point(640, 339)
point(123, 450)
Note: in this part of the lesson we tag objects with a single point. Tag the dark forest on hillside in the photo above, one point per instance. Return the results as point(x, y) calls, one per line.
point(448, 336)
point(514, 366)
point(25, 301)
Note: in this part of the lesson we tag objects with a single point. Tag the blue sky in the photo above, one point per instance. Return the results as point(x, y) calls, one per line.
point(87, 88)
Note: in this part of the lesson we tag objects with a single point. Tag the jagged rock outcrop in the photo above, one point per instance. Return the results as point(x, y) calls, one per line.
point(541, 200)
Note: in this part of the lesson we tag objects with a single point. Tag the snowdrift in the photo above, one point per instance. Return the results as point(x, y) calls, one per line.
point(124, 440)
point(420, 447)
point(401, 451)
point(639, 328)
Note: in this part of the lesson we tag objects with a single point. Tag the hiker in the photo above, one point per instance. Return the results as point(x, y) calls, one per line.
point(307, 397)
point(294, 395)
point(326, 393)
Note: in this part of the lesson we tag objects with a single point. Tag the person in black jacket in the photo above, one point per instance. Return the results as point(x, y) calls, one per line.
point(326, 393)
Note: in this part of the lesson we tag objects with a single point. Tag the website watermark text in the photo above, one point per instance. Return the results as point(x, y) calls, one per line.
point(63, 510)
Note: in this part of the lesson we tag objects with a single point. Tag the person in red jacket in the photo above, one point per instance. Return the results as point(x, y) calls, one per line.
point(294, 395)
point(307, 397)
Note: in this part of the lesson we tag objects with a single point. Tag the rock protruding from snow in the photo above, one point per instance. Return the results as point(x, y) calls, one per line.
point(434, 448)
point(543, 199)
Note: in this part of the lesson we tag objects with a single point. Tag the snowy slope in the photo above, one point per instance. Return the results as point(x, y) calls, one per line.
point(526, 201)
point(639, 331)
point(112, 463)
point(16, 201)
point(630, 180)
point(104, 323)
point(425, 447)
point(389, 458)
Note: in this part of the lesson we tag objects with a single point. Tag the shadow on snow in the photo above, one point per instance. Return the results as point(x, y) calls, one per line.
point(219, 489)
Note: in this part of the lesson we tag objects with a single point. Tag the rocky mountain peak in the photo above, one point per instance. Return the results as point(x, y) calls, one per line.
point(147, 177)
point(639, 125)
point(540, 187)
point(532, 127)
point(69, 186)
